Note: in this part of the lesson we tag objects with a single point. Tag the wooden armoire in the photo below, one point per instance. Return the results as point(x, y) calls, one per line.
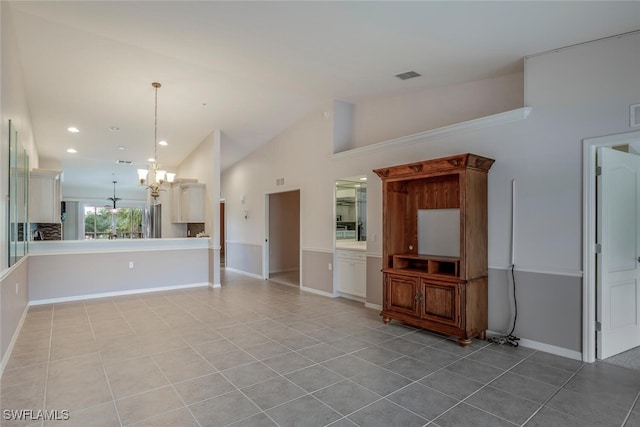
point(442, 291)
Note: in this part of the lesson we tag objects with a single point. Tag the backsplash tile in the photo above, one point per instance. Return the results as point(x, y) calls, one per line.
point(194, 228)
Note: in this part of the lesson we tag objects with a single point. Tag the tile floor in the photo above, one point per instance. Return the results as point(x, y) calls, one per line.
point(286, 277)
point(258, 353)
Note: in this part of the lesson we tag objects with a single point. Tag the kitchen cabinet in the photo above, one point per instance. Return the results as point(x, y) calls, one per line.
point(351, 272)
point(188, 202)
point(45, 196)
point(434, 250)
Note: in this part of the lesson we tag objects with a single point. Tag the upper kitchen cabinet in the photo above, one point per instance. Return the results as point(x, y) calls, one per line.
point(187, 202)
point(45, 195)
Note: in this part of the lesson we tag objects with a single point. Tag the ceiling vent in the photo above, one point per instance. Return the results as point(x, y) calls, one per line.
point(408, 75)
point(124, 162)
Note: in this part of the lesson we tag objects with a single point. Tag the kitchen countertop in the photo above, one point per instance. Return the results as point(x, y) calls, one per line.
point(351, 245)
point(49, 247)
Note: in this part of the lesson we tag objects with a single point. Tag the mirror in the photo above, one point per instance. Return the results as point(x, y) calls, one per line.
point(351, 210)
point(17, 219)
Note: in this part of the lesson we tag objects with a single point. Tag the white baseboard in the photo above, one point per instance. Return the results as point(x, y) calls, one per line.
point(548, 348)
point(318, 292)
point(374, 306)
point(245, 273)
point(286, 270)
point(115, 294)
point(215, 285)
point(12, 343)
point(351, 297)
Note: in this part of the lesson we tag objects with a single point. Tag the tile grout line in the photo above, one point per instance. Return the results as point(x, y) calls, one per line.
point(230, 382)
point(175, 391)
point(113, 397)
point(481, 388)
point(386, 397)
point(547, 400)
point(46, 376)
point(370, 344)
point(93, 334)
point(104, 371)
point(291, 350)
point(630, 411)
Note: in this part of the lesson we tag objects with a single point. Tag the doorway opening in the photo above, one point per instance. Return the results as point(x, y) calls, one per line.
point(282, 243)
point(596, 293)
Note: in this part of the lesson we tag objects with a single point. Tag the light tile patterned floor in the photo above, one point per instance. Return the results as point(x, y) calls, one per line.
point(258, 353)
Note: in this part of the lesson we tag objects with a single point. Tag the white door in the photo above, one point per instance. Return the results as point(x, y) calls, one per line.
point(618, 292)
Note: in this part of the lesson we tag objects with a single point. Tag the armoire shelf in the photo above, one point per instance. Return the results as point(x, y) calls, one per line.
point(442, 293)
point(430, 264)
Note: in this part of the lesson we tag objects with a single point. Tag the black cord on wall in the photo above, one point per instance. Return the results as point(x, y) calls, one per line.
point(510, 339)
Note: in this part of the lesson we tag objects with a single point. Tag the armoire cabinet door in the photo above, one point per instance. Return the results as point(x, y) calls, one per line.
point(441, 302)
point(401, 294)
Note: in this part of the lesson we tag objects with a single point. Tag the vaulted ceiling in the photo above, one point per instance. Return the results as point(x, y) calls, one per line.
point(251, 69)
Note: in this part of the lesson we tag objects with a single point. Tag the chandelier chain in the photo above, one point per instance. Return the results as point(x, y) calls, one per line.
point(158, 176)
point(156, 85)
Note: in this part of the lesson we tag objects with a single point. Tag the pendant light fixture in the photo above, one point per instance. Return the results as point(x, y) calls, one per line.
point(158, 176)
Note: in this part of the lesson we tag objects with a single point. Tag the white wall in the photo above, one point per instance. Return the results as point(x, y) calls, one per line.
point(302, 153)
point(381, 119)
point(301, 156)
point(14, 298)
point(14, 107)
point(576, 93)
point(68, 276)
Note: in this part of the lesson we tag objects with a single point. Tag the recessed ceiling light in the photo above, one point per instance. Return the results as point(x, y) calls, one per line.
point(364, 178)
point(163, 143)
point(114, 128)
point(121, 147)
point(151, 159)
point(73, 129)
point(71, 150)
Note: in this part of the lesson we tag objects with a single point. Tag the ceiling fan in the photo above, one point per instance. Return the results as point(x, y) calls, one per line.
point(114, 199)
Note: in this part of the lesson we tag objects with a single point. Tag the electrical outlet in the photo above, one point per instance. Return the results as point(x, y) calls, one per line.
point(131, 264)
point(17, 287)
point(330, 267)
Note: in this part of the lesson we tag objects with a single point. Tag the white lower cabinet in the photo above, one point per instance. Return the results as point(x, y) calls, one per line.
point(351, 272)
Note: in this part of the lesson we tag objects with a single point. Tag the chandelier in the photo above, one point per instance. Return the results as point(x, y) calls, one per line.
point(158, 176)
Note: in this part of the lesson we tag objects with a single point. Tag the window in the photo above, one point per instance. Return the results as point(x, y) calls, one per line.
point(100, 223)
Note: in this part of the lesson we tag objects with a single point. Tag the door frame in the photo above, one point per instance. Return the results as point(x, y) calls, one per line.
point(223, 227)
point(589, 277)
point(266, 241)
